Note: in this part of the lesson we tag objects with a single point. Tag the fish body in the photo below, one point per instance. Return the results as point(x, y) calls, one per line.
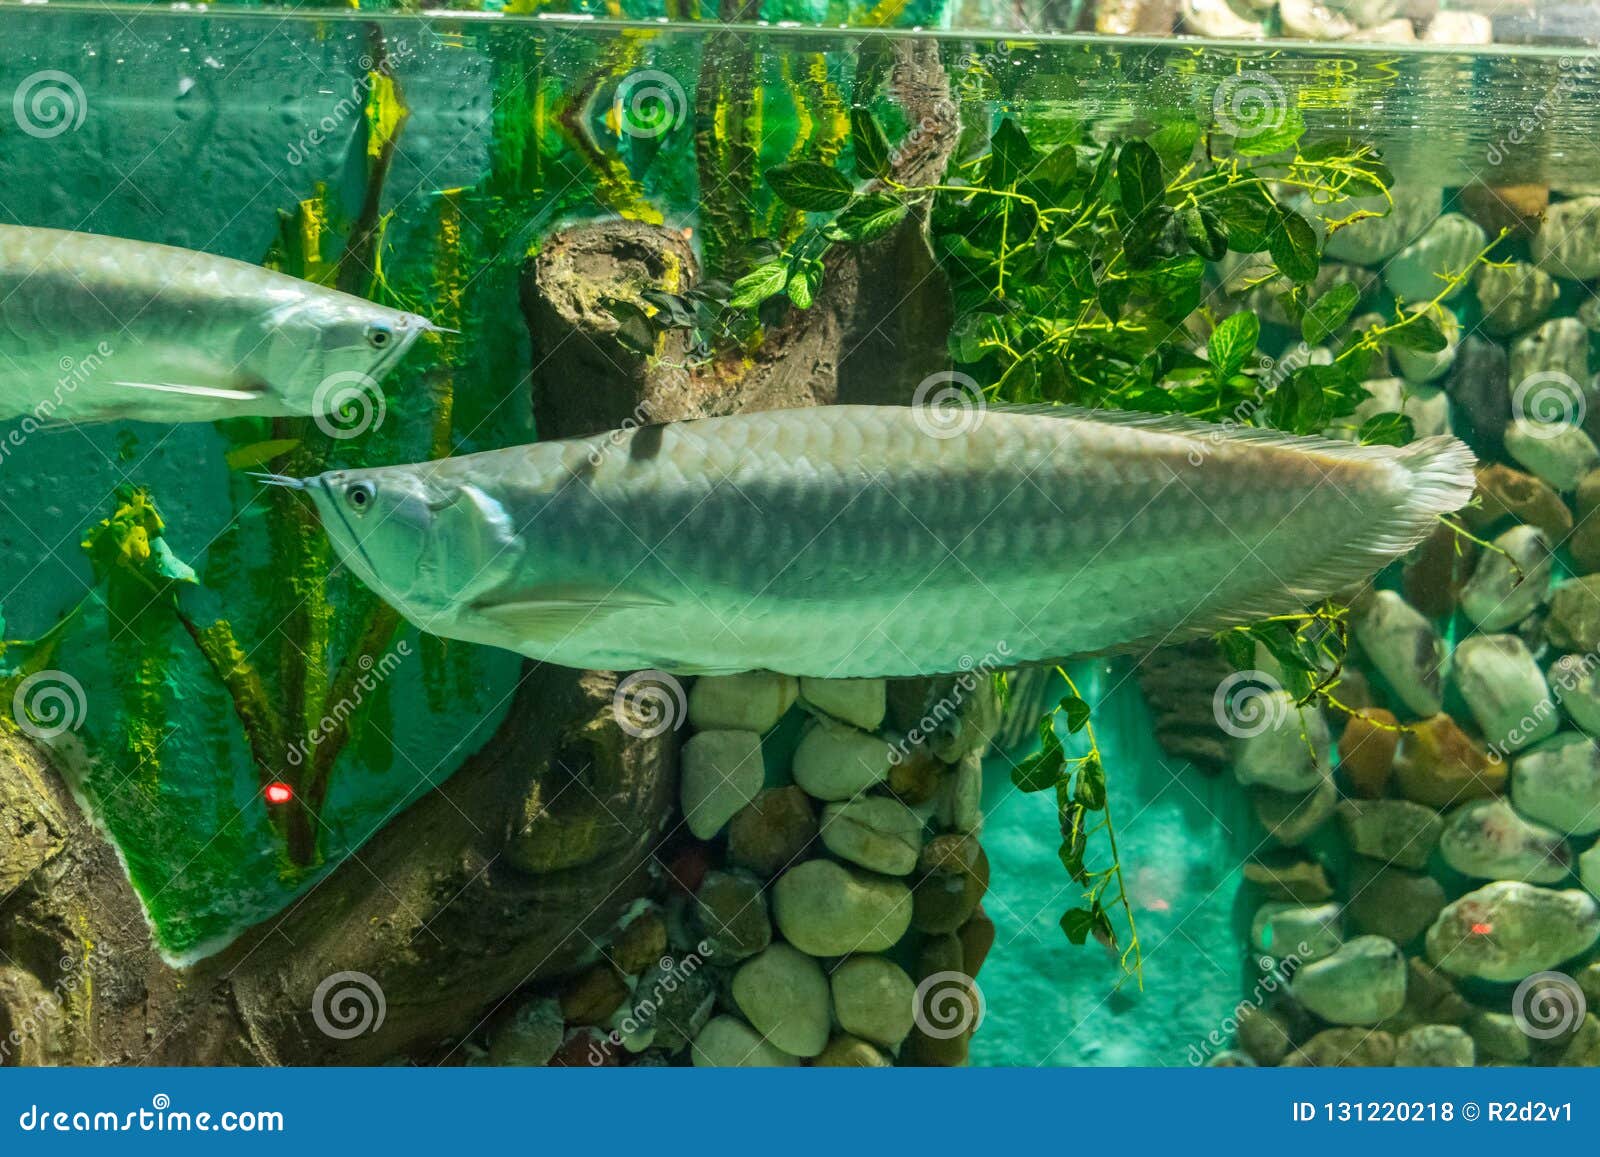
point(866, 541)
point(99, 328)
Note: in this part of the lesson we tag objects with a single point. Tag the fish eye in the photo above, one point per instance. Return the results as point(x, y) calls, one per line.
point(360, 495)
point(379, 336)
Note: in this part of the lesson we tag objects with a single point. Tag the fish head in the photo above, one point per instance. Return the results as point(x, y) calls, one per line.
point(323, 351)
point(427, 542)
point(381, 521)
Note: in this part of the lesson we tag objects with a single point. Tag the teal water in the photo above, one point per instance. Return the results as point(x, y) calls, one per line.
point(247, 134)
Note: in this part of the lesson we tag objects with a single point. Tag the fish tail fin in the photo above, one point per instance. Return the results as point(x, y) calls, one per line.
point(1440, 481)
point(1428, 479)
point(1433, 477)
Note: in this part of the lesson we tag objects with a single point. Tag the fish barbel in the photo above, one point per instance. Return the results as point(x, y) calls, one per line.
point(856, 541)
point(98, 328)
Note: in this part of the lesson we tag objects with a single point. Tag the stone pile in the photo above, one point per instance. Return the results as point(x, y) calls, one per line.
point(1432, 867)
point(822, 904)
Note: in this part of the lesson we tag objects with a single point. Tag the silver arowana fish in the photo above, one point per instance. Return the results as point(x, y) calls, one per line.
point(866, 541)
point(97, 328)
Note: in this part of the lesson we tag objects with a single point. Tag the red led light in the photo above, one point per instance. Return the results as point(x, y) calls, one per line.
point(279, 793)
point(1482, 929)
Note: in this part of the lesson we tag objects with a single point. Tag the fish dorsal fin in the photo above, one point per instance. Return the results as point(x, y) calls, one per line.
point(1183, 426)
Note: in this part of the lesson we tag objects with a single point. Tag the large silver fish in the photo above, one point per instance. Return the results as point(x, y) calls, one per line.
point(97, 328)
point(868, 541)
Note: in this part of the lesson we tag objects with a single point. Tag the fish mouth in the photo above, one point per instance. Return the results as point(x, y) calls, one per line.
point(409, 333)
point(321, 488)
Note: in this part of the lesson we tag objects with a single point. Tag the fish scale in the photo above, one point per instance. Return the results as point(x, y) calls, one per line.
point(852, 541)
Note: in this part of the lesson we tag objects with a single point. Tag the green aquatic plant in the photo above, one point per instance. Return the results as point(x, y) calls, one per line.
point(1091, 272)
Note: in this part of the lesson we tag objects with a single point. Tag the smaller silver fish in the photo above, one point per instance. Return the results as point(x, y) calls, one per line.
point(94, 329)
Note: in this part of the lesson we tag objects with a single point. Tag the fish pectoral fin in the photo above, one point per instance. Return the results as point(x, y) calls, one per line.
point(560, 613)
point(193, 391)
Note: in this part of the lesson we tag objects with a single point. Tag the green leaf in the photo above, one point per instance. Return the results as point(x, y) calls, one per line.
point(759, 284)
point(1238, 648)
point(1298, 405)
point(869, 216)
point(1139, 179)
point(634, 329)
point(1249, 217)
point(1275, 138)
point(1020, 381)
point(802, 286)
point(810, 186)
point(1174, 142)
point(1386, 430)
point(1144, 237)
point(1010, 155)
point(1232, 342)
point(868, 143)
point(1328, 313)
point(1077, 713)
point(1204, 231)
point(1043, 769)
point(1420, 332)
point(1056, 169)
point(1089, 788)
point(1294, 248)
point(1078, 923)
